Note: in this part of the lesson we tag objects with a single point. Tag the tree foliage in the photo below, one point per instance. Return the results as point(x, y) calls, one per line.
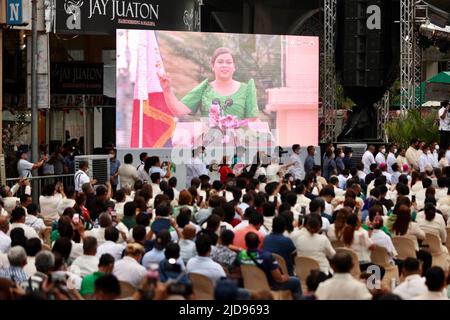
point(413, 125)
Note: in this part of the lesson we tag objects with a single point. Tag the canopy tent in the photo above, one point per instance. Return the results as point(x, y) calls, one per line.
point(440, 82)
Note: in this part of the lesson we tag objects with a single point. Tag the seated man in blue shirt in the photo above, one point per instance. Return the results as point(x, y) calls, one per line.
point(265, 261)
point(277, 243)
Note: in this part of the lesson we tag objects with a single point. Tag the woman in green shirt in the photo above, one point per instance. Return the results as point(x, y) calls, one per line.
point(240, 98)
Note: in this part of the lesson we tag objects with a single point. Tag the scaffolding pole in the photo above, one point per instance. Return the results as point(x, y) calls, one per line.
point(329, 104)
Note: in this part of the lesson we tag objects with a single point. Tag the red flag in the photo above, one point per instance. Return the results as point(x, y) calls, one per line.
point(152, 123)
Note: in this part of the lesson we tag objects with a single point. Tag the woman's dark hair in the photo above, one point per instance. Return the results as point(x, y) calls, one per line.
point(120, 195)
point(18, 238)
point(63, 246)
point(69, 192)
point(161, 199)
point(430, 212)
point(144, 218)
point(80, 199)
point(140, 203)
point(183, 219)
point(169, 192)
point(269, 209)
point(227, 237)
point(162, 239)
point(48, 190)
point(65, 228)
point(213, 222)
point(129, 209)
point(260, 199)
point(313, 223)
point(146, 192)
point(314, 278)
point(279, 224)
point(339, 222)
point(288, 216)
point(219, 51)
point(349, 229)
point(401, 224)
point(69, 212)
point(229, 212)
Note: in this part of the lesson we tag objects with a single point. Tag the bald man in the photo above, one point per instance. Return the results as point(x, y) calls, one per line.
point(187, 245)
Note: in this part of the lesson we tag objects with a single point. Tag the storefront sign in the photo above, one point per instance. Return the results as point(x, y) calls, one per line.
point(17, 12)
point(105, 16)
point(76, 78)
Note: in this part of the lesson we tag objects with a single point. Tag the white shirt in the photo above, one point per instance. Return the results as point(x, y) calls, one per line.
point(381, 239)
point(432, 295)
point(380, 158)
point(97, 233)
point(30, 267)
point(34, 222)
point(367, 160)
point(424, 160)
point(112, 248)
point(187, 250)
point(24, 168)
point(302, 201)
point(435, 159)
point(5, 242)
point(390, 161)
point(156, 190)
point(261, 171)
point(361, 243)
point(413, 286)
point(80, 178)
point(388, 176)
point(342, 286)
point(444, 124)
point(207, 267)
point(128, 175)
point(338, 191)
point(10, 203)
point(129, 270)
point(77, 251)
point(412, 156)
point(435, 226)
point(49, 206)
point(157, 170)
point(297, 170)
point(272, 172)
point(194, 169)
point(64, 204)
point(30, 233)
point(317, 247)
point(143, 175)
point(84, 265)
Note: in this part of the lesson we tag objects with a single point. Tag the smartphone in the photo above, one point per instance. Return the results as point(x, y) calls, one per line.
point(413, 198)
point(76, 218)
point(303, 211)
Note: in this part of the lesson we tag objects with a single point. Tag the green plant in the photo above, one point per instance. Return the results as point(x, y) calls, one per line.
point(412, 124)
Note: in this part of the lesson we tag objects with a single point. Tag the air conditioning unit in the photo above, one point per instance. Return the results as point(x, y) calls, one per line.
point(99, 167)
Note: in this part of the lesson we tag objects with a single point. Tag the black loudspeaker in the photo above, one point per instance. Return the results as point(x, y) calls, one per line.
point(364, 49)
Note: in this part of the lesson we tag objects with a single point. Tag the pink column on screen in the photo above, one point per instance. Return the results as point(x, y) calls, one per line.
point(297, 104)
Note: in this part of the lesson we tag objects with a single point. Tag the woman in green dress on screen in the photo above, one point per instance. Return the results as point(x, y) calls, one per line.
point(238, 98)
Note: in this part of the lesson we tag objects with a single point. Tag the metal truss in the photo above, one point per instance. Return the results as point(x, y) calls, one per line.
point(329, 104)
point(382, 116)
point(407, 65)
